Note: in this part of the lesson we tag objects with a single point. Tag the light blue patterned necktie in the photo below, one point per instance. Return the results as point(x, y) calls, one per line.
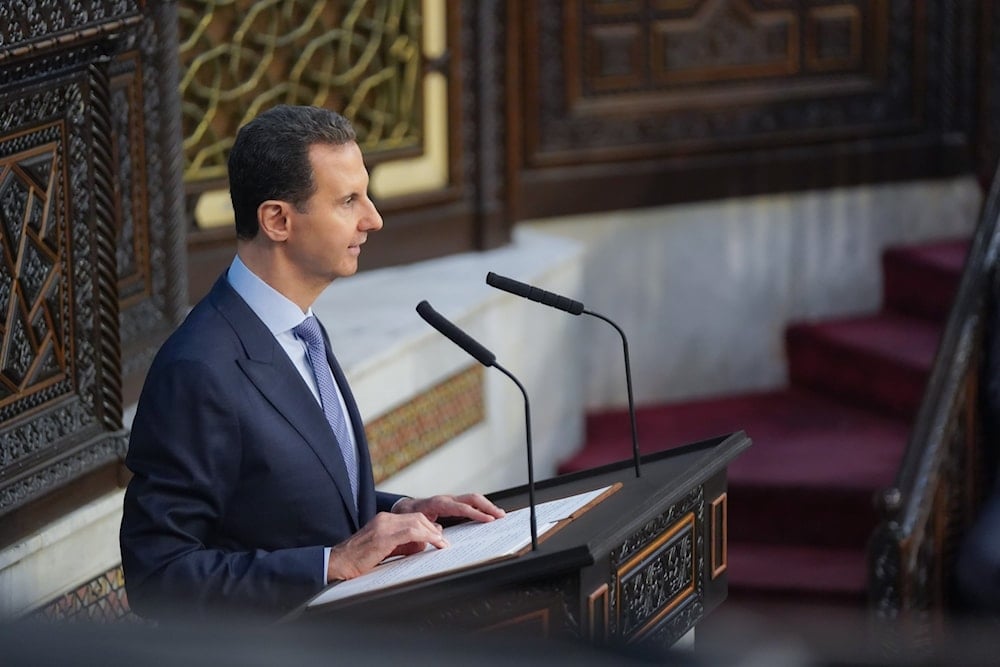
point(309, 333)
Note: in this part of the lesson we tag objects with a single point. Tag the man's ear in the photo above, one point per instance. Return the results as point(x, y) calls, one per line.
point(272, 216)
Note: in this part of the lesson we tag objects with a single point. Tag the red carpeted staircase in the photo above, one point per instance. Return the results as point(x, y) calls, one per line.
point(800, 499)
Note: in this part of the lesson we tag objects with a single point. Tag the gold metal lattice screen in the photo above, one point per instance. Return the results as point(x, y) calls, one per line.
point(239, 57)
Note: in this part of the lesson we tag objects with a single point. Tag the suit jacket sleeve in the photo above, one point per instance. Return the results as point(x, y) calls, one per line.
point(175, 549)
point(384, 501)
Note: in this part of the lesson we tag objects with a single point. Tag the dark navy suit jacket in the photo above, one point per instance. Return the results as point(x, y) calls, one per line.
point(238, 483)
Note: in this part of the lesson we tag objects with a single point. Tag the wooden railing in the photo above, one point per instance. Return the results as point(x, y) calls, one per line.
point(941, 480)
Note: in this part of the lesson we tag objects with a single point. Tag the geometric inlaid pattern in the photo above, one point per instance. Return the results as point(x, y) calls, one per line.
point(32, 252)
point(73, 169)
point(418, 427)
point(60, 407)
point(102, 599)
point(240, 57)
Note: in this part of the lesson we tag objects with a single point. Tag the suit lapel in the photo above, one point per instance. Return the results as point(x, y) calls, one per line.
point(273, 374)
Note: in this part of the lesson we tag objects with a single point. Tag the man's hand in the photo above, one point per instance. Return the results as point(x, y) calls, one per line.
point(467, 506)
point(407, 530)
point(385, 535)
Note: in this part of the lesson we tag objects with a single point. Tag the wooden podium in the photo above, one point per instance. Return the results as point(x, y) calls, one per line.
point(644, 565)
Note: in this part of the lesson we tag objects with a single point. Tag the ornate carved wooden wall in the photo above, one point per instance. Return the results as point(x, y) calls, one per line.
point(92, 225)
point(465, 213)
point(569, 106)
point(637, 102)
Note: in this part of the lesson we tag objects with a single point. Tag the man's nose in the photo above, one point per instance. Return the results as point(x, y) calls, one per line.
point(373, 220)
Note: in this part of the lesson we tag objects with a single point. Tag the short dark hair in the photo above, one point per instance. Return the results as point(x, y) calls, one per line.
point(270, 159)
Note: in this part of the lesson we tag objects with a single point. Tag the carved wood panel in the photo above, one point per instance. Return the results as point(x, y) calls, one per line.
point(643, 46)
point(657, 588)
point(150, 222)
point(61, 400)
point(539, 610)
point(82, 232)
point(673, 100)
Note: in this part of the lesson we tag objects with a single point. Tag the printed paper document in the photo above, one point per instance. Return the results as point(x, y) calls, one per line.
point(470, 543)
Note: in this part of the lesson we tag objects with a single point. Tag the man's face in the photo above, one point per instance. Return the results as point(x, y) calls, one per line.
point(326, 237)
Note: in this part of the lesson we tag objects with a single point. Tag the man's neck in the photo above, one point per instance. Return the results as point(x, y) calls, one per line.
point(281, 275)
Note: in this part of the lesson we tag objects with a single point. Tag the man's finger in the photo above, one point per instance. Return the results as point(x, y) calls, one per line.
point(478, 507)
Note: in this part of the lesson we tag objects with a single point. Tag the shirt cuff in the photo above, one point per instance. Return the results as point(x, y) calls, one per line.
point(393, 508)
point(326, 563)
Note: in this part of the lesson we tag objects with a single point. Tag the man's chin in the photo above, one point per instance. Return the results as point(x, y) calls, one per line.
point(345, 271)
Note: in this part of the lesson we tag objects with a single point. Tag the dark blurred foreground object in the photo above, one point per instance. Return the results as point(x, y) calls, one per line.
point(748, 640)
point(977, 568)
point(977, 571)
point(222, 644)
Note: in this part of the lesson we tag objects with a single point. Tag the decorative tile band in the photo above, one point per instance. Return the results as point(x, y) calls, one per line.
point(421, 425)
point(102, 599)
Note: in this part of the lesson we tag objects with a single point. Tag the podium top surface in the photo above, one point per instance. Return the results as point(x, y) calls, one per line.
point(666, 477)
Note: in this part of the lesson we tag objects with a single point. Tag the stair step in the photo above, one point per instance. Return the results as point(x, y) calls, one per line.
point(840, 516)
point(880, 360)
point(767, 417)
point(800, 508)
point(922, 280)
point(809, 476)
point(798, 572)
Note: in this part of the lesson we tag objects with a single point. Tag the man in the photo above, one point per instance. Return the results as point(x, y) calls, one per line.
point(252, 484)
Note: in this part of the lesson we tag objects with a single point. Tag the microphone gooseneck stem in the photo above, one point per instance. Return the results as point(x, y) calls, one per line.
point(628, 381)
point(488, 359)
point(531, 458)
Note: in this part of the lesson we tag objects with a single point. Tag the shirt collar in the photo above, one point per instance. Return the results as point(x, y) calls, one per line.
point(277, 312)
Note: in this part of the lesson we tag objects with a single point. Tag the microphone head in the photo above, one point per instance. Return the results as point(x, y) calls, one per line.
point(509, 285)
point(424, 309)
point(455, 335)
point(535, 294)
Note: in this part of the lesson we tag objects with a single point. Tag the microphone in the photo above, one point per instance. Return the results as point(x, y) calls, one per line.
point(534, 293)
point(487, 358)
point(573, 308)
point(456, 335)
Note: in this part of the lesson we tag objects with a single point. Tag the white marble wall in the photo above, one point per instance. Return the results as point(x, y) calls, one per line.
point(703, 292)
point(61, 556)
